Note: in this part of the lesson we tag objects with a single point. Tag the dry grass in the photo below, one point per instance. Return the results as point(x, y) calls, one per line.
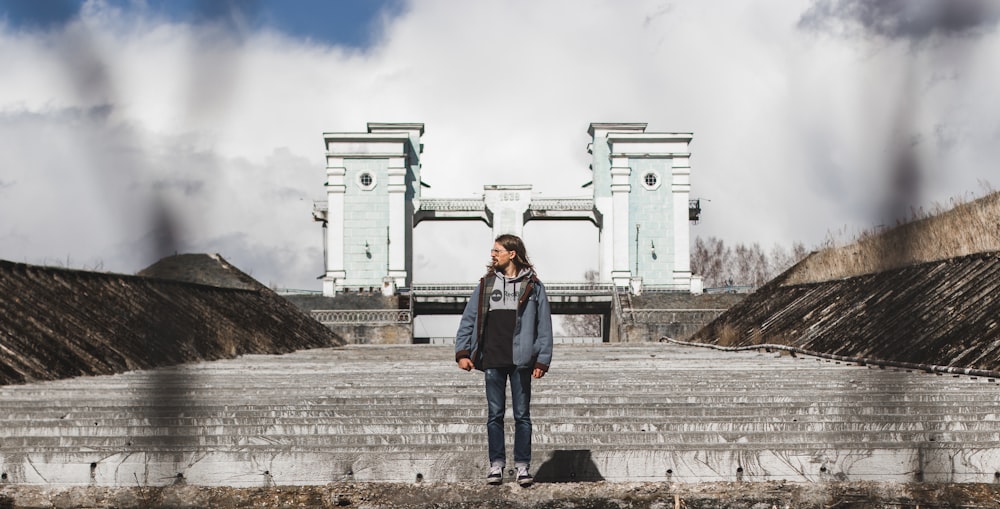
point(728, 336)
point(968, 228)
point(779, 339)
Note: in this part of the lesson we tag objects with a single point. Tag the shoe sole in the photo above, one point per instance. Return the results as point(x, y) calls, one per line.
point(494, 482)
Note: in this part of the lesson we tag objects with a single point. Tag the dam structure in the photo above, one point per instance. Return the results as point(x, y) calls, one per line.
point(231, 412)
point(639, 203)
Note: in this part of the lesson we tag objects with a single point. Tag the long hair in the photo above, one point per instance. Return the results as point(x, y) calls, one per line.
point(515, 244)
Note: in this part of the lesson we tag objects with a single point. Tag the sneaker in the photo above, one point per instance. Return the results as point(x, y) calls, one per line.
point(495, 476)
point(524, 478)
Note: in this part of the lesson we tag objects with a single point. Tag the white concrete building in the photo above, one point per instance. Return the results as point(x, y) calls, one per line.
point(640, 204)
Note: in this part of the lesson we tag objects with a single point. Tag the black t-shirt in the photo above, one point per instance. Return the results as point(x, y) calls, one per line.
point(498, 348)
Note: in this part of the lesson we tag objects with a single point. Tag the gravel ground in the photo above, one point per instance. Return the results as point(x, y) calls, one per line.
point(598, 495)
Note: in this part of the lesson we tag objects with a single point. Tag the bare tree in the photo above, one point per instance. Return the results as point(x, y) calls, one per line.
point(783, 259)
point(741, 265)
point(711, 259)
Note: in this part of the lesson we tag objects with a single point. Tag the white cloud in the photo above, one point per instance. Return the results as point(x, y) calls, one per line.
point(794, 128)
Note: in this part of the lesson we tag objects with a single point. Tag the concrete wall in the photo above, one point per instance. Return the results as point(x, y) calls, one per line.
point(399, 334)
point(360, 333)
point(366, 219)
point(650, 207)
point(681, 330)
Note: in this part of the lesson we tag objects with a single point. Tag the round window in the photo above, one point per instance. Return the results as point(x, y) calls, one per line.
point(651, 180)
point(366, 181)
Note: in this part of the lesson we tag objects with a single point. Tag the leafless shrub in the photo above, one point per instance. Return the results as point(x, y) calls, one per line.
point(742, 265)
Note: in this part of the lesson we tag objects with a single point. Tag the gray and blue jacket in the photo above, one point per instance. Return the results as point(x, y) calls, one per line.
point(532, 341)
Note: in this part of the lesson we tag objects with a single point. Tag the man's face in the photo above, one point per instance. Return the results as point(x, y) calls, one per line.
point(500, 256)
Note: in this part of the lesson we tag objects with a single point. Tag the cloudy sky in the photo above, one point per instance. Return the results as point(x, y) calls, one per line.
point(132, 129)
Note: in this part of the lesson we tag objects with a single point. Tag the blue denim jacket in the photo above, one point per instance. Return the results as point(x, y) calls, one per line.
point(532, 330)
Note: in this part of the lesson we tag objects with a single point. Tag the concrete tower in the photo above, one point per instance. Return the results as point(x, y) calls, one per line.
point(373, 179)
point(641, 188)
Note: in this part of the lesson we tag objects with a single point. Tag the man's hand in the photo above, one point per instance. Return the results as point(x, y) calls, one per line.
point(465, 363)
point(537, 373)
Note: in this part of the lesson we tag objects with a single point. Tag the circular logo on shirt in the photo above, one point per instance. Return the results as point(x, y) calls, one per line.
point(496, 295)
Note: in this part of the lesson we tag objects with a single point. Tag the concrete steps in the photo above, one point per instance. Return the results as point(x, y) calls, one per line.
point(406, 413)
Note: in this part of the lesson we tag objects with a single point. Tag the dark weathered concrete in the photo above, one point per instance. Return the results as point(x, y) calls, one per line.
point(597, 495)
point(679, 300)
point(356, 300)
point(58, 323)
point(942, 313)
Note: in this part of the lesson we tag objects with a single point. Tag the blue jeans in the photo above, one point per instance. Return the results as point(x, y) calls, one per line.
point(520, 395)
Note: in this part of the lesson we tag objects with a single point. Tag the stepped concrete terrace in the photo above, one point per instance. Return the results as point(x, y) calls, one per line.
point(615, 412)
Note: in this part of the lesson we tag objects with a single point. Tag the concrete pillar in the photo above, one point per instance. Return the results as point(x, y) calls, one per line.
point(611, 187)
point(335, 190)
point(681, 188)
point(621, 272)
point(509, 205)
point(397, 235)
point(404, 190)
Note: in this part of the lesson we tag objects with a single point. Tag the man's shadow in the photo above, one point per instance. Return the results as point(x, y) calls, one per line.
point(569, 466)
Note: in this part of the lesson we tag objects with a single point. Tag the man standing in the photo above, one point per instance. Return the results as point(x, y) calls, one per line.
point(506, 331)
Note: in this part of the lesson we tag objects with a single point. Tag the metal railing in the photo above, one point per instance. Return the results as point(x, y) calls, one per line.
point(675, 315)
point(559, 340)
point(363, 316)
point(668, 288)
point(464, 289)
point(460, 289)
point(578, 288)
point(295, 291)
point(569, 204)
point(731, 289)
point(436, 204)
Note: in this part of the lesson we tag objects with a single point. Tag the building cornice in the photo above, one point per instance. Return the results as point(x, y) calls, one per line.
point(367, 137)
point(651, 137)
point(374, 127)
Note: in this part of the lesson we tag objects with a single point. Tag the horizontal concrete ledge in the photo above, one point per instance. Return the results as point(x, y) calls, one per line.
point(474, 495)
point(546, 392)
point(665, 378)
point(658, 410)
point(95, 454)
point(248, 469)
point(462, 424)
point(584, 432)
point(733, 440)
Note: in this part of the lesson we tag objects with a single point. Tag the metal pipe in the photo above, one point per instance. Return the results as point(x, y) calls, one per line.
point(930, 368)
